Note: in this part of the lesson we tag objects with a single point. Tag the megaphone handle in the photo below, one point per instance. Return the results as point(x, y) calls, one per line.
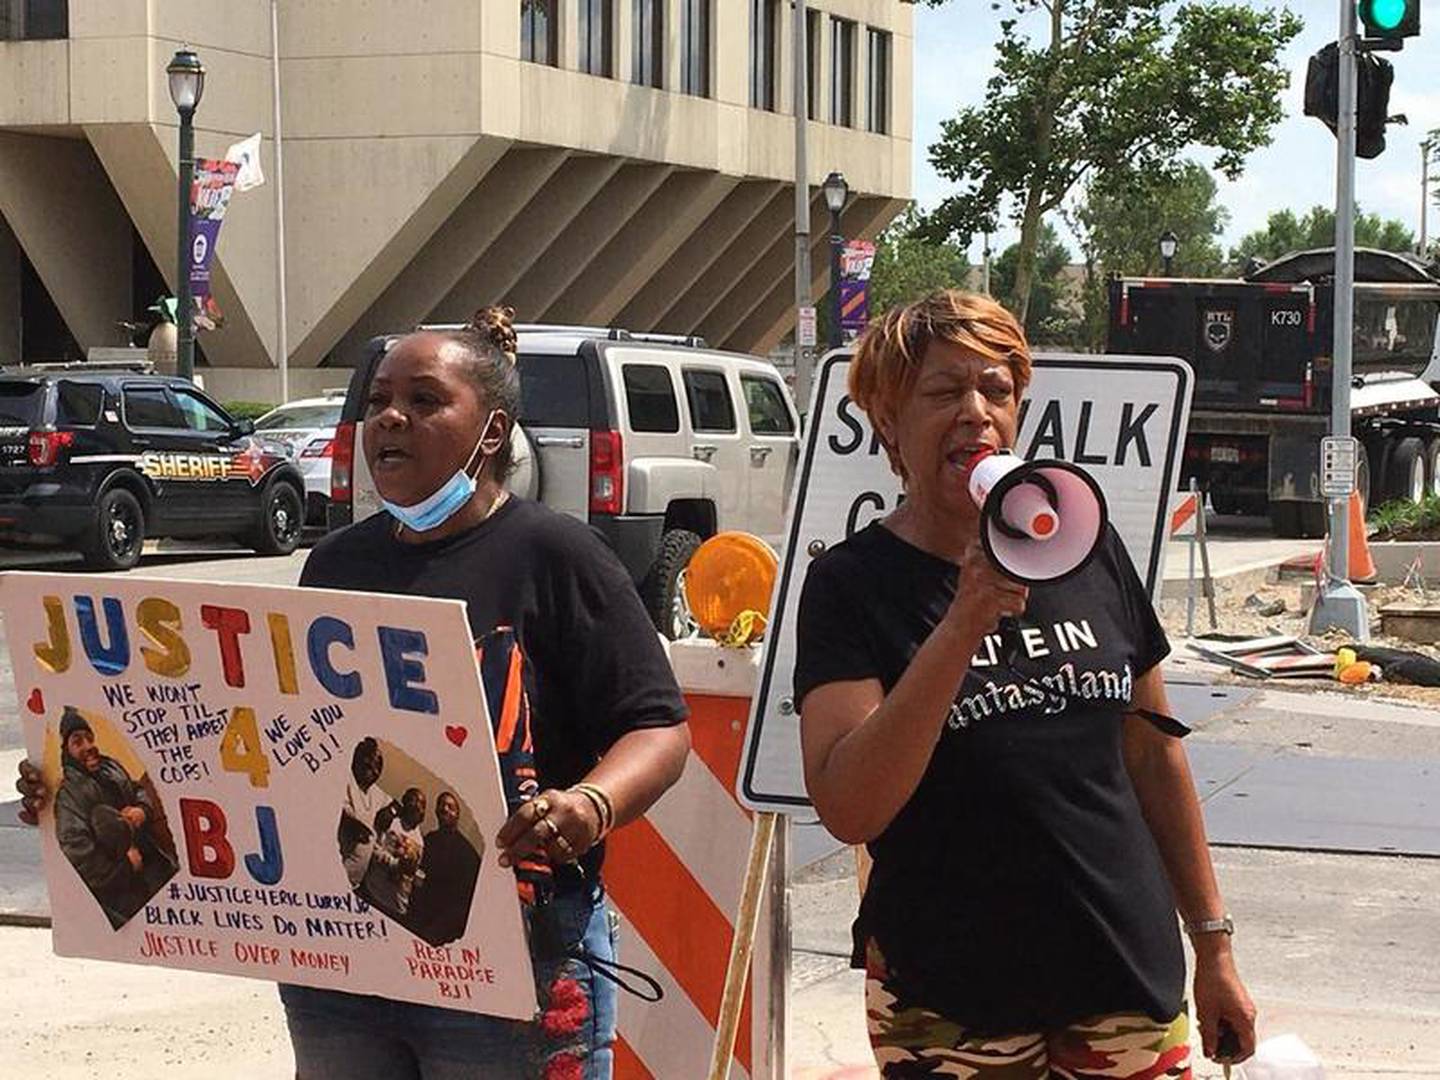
point(1010, 640)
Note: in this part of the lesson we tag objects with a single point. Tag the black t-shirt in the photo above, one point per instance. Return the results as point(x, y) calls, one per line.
point(591, 665)
point(1019, 889)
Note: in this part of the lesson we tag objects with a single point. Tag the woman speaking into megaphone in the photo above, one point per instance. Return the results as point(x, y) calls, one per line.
point(1033, 830)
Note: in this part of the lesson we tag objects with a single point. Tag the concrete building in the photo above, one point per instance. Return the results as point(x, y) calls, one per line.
point(625, 162)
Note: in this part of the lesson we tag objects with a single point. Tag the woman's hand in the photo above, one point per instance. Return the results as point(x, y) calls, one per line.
point(561, 825)
point(1220, 996)
point(33, 794)
point(983, 596)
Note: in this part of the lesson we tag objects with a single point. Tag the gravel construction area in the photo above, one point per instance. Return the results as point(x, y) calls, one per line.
point(1260, 610)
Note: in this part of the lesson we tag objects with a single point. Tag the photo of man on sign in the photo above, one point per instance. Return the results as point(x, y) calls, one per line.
point(425, 881)
point(110, 828)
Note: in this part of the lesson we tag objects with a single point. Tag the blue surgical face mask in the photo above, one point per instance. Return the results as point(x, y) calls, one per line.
point(434, 510)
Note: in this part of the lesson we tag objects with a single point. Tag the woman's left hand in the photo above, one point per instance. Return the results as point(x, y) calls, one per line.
point(1220, 995)
point(561, 825)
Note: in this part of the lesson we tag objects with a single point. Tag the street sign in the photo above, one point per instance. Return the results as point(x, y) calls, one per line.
point(1122, 418)
point(805, 329)
point(1338, 457)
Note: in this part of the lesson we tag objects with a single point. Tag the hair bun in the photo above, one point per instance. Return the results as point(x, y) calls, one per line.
point(497, 326)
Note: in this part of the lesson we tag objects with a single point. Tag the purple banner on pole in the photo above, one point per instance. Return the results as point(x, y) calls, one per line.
point(855, 265)
point(209, 199)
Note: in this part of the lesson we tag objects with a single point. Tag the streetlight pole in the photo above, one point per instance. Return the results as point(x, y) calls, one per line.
point(836, 192)
point(187, 85)
point(1338, 603)
point(803, 297)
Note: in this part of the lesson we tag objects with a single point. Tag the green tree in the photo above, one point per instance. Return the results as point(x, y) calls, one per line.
point(1124, 214)
point(1284, 232)
point(1108, 86)
point(1119, 224)
point(1052, 314)
point(907, 265)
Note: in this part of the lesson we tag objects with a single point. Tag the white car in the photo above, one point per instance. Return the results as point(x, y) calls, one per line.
point(306, 430)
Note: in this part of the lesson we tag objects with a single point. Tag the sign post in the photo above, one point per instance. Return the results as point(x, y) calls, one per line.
point(1339, 604)
point(1122, 418)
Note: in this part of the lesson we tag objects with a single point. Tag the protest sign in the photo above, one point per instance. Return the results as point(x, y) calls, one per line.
point(209, 199)
point(287, 784)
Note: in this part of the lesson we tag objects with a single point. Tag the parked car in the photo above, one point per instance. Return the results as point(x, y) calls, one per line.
point(306, 430)
point(655, 441)
point(96, 460)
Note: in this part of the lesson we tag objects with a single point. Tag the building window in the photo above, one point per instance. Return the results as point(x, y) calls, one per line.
point(812, 62)
point(597, 37)
point(842, 72)
point(540, 32)
point(649, 24)
point(695, 47)
point(34, 20)
point(877, 84)
point(764, 53)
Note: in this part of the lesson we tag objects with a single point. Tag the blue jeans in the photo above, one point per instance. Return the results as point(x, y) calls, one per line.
point(339, 1036)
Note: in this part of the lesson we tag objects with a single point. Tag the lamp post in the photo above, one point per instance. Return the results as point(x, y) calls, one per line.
point(187, 86)
point(836, 192)
point(1169, 244)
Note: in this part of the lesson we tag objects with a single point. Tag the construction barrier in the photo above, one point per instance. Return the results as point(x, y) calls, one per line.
point(676, 878)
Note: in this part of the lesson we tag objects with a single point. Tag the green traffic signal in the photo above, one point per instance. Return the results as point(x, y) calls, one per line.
point(1392, 19)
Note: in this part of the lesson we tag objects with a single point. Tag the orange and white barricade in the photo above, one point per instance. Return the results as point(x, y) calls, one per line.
point(676, 878)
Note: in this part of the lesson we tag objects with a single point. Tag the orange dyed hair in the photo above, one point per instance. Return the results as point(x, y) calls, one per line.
point(892, 348)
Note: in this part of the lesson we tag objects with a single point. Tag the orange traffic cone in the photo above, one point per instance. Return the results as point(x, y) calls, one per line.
point(1362, 566)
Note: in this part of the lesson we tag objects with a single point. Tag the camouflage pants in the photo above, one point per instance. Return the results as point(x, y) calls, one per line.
point(911, 1041)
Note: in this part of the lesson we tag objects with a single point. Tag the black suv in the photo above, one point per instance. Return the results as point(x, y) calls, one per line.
point(96, 460)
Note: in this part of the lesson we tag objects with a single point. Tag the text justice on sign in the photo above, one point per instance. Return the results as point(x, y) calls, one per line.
point(166, 652)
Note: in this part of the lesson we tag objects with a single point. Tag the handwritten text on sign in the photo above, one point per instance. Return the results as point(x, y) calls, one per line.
point(288, 784)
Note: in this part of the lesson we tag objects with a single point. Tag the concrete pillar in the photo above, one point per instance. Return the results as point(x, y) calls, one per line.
point(545, 216)
point(635, 255)
point(696, 254)
point(457, 246)
point(774, 316)
point(749, 289)
point(66, 216)
point(562, 263)
point(733, 266)
point(673, 44)
point(10, 322)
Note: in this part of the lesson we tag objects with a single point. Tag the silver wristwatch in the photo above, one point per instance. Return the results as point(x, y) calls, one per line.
point(1222, 925)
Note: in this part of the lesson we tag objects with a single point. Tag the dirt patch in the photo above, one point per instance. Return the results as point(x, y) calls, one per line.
point(1253, 613)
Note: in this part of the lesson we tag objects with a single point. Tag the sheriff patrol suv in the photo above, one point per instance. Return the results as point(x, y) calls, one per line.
point(96, 460)
point(656, 441)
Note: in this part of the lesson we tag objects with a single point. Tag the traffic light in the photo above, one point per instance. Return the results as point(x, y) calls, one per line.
point(1374, 77)
point(1390, 20)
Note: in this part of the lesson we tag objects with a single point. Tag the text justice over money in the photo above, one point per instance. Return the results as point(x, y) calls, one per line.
point(166, 651)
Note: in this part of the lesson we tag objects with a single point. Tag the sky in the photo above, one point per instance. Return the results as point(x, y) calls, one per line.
point(1297, 170)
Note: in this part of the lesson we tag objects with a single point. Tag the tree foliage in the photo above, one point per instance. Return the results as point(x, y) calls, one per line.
point(1106, 87)
point(1053, 314)
point(907, 265)
point(1284, 232)
point(1124, 214)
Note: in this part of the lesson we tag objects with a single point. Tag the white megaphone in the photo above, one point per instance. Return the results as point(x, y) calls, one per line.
point(1040, 521)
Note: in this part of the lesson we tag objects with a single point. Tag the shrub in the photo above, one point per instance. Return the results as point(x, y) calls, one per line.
point(1402, 519)
point(247, 410)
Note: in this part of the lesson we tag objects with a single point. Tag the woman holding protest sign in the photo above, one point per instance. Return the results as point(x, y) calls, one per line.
point(590, 724)
point(1033, 828)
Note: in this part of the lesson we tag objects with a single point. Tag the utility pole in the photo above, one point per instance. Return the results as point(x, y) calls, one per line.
point(1338, 603)
point(803, 297)
point(1425, 148)
point(282, 342)
point(985, 267)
